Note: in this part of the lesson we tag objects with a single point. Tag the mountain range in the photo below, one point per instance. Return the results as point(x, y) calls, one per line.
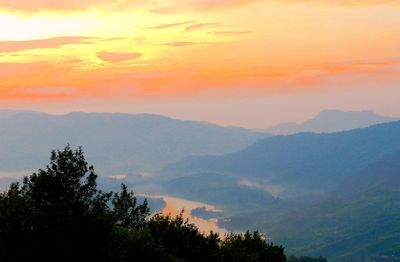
point(301, 162)
point(332, 194)
point(116, 143)
point(329, 121)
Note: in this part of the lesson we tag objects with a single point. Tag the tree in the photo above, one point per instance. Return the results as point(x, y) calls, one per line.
point(183, 240)
point(250, 247)
point(59, 214)
point(126, 212)
point(307, 259)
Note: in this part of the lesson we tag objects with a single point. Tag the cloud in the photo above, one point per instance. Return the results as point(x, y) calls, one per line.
point(176, 6)
point(67, 5)
point(355, 2)
point(15, 46)
point(205, 5)
point(160, 7)
point(230, 33)
point(117, 57)
point(200, 26)
point(163, 26)
point(39, 5)
point(79, 5)
point(183, 44)
point(38, 80)
point(343, 2)
point(42, 93)
point(361, 65)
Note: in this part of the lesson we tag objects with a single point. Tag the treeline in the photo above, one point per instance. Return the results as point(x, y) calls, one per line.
point(59, 214)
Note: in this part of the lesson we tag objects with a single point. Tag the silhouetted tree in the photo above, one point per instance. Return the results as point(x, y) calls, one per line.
point(183, 239)
point(59, 214)
point(126, 212)
point(136, 244)
point(251, 247)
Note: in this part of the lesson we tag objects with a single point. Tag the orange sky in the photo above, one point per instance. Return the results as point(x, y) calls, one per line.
point(242, 62)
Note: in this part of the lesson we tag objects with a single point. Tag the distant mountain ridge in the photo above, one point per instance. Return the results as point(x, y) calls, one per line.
point(330, 121)
point(7, 113)
point(116, 143)
point(306, 161)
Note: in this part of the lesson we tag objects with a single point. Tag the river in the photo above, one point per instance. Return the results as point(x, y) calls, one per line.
point(174, 206)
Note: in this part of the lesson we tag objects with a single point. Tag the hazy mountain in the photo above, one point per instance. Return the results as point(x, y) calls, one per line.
point(383, 175)
point(360, 219)
point(354, 217)
point(12, 113)
point(115, 143)
point(342, 229)
point(349, 184)
point(302, 163)
point(330, 121)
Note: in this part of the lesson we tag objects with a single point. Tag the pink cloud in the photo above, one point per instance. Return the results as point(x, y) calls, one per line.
point(183, 44)
point(200, 26)
point(35, 81)
point(213, 4)
point(347, 2)
point(117, 57)
point(362, 65)
point(38, 5)
point(163, 26)
point(15, 46)
point(74, 5)
point(230, 33)
point(174, 6)
point(42, 92)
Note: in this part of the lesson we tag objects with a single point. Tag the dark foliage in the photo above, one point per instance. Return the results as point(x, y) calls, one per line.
point(306, 259)
point(183, 239)
point(250, 247)
point(58, 214)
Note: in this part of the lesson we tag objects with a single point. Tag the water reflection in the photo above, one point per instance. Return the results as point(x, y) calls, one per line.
point(175, 205)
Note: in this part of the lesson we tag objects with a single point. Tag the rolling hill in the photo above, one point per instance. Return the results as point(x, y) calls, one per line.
point(115, 143)
point(304, 162)
point(357, 221)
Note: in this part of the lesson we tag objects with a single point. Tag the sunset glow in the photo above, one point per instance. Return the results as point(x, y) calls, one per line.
point(123, 55)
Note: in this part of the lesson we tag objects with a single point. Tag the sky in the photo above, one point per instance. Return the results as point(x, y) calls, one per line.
point(249, 63)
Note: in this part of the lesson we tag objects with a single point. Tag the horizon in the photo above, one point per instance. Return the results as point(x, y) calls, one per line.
point(316, 114)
